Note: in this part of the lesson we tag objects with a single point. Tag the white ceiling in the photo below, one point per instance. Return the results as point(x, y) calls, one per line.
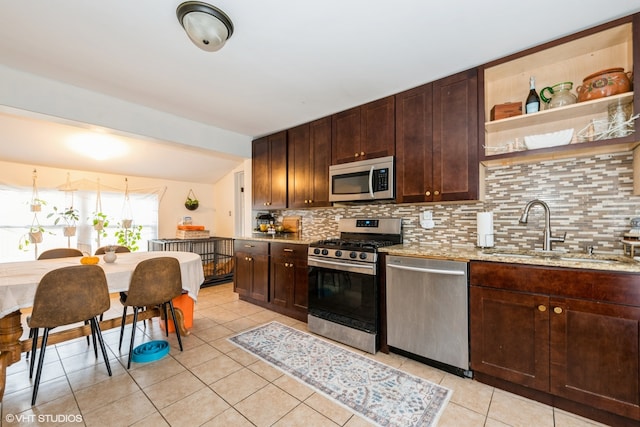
point(288, 62)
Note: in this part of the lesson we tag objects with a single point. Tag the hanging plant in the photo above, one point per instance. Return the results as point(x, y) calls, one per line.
point(192, 202)
point(36, 202)
point(34, 236)
point(128, 235)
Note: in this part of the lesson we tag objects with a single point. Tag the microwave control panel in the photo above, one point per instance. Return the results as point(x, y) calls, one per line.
point(381, 179)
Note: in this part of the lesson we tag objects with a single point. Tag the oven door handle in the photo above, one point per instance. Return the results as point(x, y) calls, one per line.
point(428, 270)
point(362, 268)
point(371, 183)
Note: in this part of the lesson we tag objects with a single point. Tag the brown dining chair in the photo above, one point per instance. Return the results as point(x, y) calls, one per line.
point(154, 281)
point(60, 253)
point(64, 296)
point(119, 250)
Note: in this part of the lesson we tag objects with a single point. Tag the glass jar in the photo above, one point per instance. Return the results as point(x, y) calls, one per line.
point(559, 95)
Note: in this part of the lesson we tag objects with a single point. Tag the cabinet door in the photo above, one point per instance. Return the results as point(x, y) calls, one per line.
point(260, 277)
point(346, 136)
point(282, 278)
point(414, 145)
point(289, 276)
point(455, 137)
point(320, 141)
point(309, 148)
point(595, 354)
point(278, 170)
point(261, 172)
point(243, 274)
point(510, 336)
point(378, 129)
point(269, 171)
point(299, 166)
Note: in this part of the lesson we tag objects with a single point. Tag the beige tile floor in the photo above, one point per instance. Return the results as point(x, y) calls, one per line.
point(214, 383)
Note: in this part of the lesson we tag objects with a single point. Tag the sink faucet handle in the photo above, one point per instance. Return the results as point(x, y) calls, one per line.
point(589, 249)
point(559, 239)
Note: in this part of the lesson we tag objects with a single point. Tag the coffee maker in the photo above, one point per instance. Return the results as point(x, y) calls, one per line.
point(264, 219)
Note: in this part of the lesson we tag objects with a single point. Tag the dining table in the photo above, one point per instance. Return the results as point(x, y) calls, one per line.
point(19, 281)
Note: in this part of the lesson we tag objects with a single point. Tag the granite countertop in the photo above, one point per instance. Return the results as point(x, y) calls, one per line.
point(597, 261)
point(280, 237)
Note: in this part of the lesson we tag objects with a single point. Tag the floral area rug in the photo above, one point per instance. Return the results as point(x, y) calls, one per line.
point(384, 395)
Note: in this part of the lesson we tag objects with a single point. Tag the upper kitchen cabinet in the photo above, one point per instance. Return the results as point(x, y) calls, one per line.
point(437, 140)
point(269, 170)
point(364, 132)
point(589, 55)
point(308, 164)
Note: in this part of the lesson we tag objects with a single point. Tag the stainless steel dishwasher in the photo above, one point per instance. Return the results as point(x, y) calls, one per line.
point(428, 309)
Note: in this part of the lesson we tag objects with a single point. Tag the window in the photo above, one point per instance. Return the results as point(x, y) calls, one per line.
point(16, 219)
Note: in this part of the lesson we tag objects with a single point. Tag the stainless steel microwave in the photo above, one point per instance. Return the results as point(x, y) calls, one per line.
point(364, 180)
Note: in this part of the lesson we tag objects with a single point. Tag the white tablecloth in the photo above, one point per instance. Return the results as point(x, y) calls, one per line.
point(19, 280)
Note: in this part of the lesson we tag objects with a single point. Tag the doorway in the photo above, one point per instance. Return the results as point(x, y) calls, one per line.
point(239, 205)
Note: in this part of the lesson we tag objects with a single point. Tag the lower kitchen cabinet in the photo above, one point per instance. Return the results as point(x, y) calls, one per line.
point(273, 275)
point(252, 269)
point(289, 277)
point(566, 337)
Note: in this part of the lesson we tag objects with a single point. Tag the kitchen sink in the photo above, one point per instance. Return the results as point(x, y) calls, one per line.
point(562, 256)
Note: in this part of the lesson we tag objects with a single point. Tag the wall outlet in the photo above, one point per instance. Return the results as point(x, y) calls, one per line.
point(426, 219)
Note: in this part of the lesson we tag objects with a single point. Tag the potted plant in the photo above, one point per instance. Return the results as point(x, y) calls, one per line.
point(36, 205)
point(70, 216)
point(192, 202)
point(34, 236)
point(128, 235)
point(100, 221)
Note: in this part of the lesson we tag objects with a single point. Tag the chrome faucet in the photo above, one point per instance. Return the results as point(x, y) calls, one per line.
point(548, 237)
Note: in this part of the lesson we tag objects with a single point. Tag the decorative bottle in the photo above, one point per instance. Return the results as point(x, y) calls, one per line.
point(532, 104)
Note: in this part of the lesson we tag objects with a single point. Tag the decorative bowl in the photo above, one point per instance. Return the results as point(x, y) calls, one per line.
point(546, 140)
point(604, 83)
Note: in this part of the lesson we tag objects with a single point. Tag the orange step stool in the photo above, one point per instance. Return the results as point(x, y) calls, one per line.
point(185, 304)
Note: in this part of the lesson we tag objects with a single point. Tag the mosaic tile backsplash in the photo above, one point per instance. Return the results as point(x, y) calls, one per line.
point(590, 199)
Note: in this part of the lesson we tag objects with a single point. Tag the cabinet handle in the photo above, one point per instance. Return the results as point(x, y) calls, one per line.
point(286, 264)
point(428, 193)
point(248, 258)
point(291, 264)
point(557, 310)
point(542, 307)
point(362, 154)
point(435, 193)
point(287, 250)
point(306, 201)
point(356, 155)
point(248, 246)
point(310, 201)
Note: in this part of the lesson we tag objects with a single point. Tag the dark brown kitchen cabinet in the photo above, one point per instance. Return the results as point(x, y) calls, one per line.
point(567, 337)
point(364, 132)
point(269, 171)
point(289, 277)
point(251, 276)
point(437, 141)
point(309, 157)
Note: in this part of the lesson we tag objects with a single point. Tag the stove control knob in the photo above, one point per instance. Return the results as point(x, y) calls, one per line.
point(353, 255)
point(325, 252)
point(363, 255)
point(316, 251)
point(338, 253)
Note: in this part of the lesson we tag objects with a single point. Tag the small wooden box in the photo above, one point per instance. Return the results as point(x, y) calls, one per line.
point(508, 109)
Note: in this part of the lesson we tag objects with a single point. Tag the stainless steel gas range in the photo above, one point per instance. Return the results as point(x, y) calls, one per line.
point(344, 281)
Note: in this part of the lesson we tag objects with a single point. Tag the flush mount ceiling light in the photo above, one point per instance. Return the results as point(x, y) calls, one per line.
point(207, 26)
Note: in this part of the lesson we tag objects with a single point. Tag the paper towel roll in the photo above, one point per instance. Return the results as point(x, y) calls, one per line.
point(485, 229)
